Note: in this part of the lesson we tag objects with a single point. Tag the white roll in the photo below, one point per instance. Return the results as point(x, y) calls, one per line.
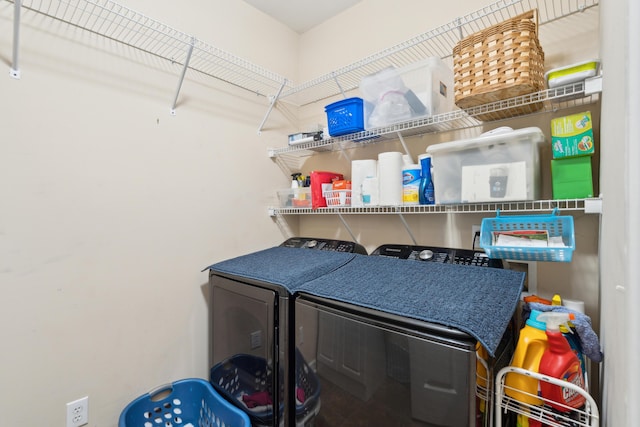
point(574, 305)
point(361, 169)
point(390, 178)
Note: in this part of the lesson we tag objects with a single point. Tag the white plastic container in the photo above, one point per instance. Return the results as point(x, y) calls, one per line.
point(572, 73)
point(393, 95)
point(503, 165)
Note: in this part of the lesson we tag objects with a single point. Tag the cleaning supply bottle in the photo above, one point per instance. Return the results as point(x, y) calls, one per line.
point(427, 192)
point(410, 182)
point(559, 361)
point(482, 386)
point(532, 343)
point(574, 341)
point(295, 192)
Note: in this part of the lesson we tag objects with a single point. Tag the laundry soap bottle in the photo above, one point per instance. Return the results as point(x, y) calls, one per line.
point(560, 361)
point(532, 343)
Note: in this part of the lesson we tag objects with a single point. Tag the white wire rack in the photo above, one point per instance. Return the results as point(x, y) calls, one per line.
point(587, 416)
point(438, 42)
point(572, 95)
point(121, 24)
point(580, 205)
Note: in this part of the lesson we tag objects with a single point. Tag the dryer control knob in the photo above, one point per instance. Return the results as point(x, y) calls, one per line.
point(425, 255)
point(312, 243)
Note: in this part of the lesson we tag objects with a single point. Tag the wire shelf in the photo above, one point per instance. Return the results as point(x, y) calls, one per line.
point(563, 97)
point(504, 207)
point(121, 24)
point(438, 42)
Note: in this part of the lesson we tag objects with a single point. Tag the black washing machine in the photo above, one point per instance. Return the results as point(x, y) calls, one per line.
point(251, 342)
point(437, 254)
point(385, 337)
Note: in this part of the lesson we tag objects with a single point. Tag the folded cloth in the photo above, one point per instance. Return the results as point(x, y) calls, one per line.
point(582, 323)
point(260, 398)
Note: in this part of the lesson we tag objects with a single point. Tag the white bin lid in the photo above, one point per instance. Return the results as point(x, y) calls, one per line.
point(499, 136)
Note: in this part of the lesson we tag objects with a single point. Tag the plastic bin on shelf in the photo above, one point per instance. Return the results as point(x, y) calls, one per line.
point(182, 403)
point(336, 198)
point(497, 166)
point(554, 224)
point(345, 116)
point(245, 374)
point(295, 197)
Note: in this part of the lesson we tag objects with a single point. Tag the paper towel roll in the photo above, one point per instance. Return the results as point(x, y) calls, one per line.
point(574, 305)
point(360, 169)
point(390, 178)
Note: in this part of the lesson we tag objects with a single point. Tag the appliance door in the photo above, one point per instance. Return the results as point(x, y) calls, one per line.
point(243, 320)
point(247, 347)
point(380, 369)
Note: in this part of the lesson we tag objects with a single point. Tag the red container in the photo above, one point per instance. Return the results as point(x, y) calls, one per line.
point(559, 361)
point(322, 181)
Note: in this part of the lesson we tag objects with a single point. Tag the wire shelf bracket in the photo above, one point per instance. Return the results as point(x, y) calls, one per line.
point(184, 72)
point(15, 66)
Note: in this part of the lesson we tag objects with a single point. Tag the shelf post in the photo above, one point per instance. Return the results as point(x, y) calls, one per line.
point(15, 68)
point(406, 226)
point(404, 145)
point(274, 99)
point(184, 72)
point(353, 237)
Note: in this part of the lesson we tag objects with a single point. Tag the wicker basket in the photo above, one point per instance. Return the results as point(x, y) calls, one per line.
point(498, 63)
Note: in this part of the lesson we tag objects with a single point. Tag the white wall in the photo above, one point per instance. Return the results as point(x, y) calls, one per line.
point(620, 250)
point(111, 207)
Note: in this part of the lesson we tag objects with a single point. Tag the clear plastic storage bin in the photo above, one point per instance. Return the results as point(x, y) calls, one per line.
point(392, 95)
point(502, 165)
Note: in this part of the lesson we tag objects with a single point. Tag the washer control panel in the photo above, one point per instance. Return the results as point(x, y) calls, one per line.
point(437, 254)
point(324, 245)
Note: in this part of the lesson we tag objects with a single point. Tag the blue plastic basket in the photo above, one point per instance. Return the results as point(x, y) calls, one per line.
point(188, 401)
point(555, 225)
point(247, 374)
point(345, 116)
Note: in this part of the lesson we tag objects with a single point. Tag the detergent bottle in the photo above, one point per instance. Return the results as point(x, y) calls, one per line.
point(532, 344)
point(560, 361)
point(482, 385)
point(574, 341)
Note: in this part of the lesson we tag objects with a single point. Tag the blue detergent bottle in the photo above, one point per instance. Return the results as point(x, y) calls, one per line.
point(427, 194)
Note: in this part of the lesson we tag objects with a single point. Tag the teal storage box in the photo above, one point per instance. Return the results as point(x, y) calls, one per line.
point(572, 178)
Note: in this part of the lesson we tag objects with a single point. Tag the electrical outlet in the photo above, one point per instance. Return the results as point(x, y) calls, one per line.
point(78, 412)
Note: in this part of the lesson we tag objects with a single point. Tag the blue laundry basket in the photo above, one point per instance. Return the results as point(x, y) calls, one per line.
point(188, 401)
point(247, 374)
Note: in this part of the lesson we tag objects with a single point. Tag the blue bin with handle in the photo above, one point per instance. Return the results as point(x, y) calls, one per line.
point(184, 403)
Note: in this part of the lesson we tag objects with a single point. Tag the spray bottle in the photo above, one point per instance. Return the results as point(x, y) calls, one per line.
point(560, 361)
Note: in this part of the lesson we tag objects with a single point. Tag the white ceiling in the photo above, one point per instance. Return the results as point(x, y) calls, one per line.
point(302, 15)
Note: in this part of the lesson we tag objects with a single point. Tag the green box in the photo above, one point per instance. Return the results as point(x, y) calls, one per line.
point(572, 136)
point(572, 178)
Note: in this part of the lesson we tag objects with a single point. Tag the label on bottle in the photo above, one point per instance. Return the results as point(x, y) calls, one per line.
point(411, 186)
